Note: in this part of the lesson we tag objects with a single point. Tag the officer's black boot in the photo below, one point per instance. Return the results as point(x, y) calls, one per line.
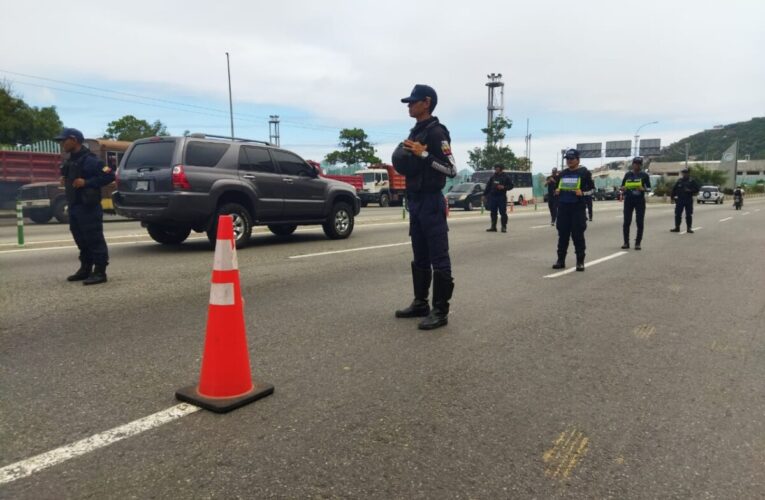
point(419, 306)
point(97, 276)
point(443, 286)
point(504, 228)
point(561, 262)
point(82, 273)
point(493, 228)
point(580, 262)
point(689, 223)
point(626, 234)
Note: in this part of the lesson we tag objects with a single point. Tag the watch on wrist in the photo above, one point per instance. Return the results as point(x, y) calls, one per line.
point(424, 154)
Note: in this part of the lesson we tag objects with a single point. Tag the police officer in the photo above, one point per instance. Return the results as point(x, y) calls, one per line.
point(426, 160)
point(634, 186)
point(552, 199)
point(496, 194)
point(574, 184)
point(682, 195)
point(82, 176)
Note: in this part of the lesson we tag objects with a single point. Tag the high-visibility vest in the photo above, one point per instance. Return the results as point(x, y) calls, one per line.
point(570, 183)
point(631, 185)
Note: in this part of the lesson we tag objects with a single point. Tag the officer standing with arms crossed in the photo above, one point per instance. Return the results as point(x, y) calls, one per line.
point(574, 184)
point(682, 195)
point(634, 186)
point(82, 176)
point(426, 160)
point(552, 198)
point(496, 193)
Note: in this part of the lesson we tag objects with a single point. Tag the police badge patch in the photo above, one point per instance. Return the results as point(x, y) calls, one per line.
point(446, 149)
point(106, 169)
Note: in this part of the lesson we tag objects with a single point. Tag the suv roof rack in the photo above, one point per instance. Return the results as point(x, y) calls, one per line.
point(199, 135)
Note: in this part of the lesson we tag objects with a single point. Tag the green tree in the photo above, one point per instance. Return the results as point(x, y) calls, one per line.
point(486, 157)
point(130, 128)
point(708, 177)
point(24, 124)
point(355, 149)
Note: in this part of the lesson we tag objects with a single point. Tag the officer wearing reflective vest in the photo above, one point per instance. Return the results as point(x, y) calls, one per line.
point(682, 195)
point(426, 160)
point(575, 183)
point(496, 195)
point(82, 176)
point(635, 184)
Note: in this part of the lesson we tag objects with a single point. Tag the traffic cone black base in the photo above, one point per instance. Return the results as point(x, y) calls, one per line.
point(223, 405)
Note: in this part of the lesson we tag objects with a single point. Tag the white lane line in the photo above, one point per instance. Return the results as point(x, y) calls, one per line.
point(69, 247)
point(360, 249)
point(756, 209)
point(539, 227)
point(746, 213)
point(587, 264)
point(37, 463)
point(108, 240)
point(725, 219)
point(694, 229)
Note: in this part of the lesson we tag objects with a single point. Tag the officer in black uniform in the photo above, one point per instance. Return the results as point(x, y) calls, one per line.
point(496, 194)
point(682, 195)
point(426, 160)
point(574, 184)
point(552, 199)
point(82, 176)
point(634, 186)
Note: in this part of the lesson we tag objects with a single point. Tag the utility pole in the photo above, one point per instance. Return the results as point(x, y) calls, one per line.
point(528, 145)
point(273, 130)
point(637, 136)
point(687, 149)
point(230, 100)
point(496, 105)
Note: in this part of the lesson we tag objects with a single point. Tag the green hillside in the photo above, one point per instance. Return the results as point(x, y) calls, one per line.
point(710, 144)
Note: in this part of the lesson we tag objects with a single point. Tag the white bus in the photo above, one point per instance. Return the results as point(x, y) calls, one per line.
point(523, 187)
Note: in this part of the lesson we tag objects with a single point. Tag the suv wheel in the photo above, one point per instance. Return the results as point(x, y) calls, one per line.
point(242, 224)
point(339, 224)
point(40, 215)
point(384, 200)
point(61, 210)
point(469, 206)
point(282, 229)
point(168, 235)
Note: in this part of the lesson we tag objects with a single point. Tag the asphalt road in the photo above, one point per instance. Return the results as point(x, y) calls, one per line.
point(640, 378)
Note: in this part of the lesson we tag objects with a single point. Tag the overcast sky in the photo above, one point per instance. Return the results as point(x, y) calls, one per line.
point(580, 71)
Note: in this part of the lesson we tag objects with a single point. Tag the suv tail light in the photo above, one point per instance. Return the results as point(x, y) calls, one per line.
point(180, 181)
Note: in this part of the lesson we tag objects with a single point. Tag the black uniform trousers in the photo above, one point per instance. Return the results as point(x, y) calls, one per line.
point(552, 204)
point(86, 222)
point(687, 205)
point(571, 224)
point(637, 206)
point(429, 231)
point(498, 205)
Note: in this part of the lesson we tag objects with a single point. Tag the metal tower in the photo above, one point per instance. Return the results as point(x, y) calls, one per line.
point(496, 106)
point(273, 130)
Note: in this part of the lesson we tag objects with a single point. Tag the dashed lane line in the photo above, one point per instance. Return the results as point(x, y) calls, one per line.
point(694, 230)
point(348, 250)
point(587, 264)
point(725, 219)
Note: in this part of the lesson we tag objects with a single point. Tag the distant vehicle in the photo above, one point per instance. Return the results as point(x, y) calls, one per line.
point(604, 195)
point(523, 186)
point(467, 195)
point(41, 201)
point(710, 194)
point(382, 184)
point(174, 185)
point(353, 180)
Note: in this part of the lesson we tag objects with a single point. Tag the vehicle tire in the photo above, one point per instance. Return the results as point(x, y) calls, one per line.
point(168, 235)
point(242, 224)
point(282, 229)
point(40, 215)
point(339, 224)
point(61, 210)
point(384, 200)
point(468, 206)
point(364, 203)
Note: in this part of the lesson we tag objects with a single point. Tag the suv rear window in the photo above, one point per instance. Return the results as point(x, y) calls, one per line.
point(204, 154)
point(151, 154)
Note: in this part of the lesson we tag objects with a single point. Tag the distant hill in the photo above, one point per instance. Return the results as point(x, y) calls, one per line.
point(710, 144)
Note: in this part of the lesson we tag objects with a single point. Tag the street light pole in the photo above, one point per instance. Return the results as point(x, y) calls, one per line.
point(230, 100)
point(637, 136)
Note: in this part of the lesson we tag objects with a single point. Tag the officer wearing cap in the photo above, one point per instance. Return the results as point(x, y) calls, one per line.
point(552, 199)
point(575, 183)
point(634, 186)
point(426, 160)
point(682, 195)
point(82, 175)
point(496, 194)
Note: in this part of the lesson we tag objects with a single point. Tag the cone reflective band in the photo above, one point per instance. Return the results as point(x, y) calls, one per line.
point(569, 183)
point(225, 380)
point(630, 185)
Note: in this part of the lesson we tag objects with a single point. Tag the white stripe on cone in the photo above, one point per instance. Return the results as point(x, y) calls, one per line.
point(222, 294)
point(225, 256)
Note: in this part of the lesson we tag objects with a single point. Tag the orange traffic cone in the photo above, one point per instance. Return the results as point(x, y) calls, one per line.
point(225, 381)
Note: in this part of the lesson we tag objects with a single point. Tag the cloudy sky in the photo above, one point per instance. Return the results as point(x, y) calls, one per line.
point(584, 71)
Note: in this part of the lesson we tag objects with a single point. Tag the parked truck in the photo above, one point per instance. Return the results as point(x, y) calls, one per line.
point(42, 196)
point(353, 180)
point(381, 184)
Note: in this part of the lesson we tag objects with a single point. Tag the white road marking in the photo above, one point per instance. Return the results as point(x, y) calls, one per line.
point(43, 242)
point(69, 247)
point(48, 459)
point(539, 227)
point(756, 209)
point(360, 249)
point(725, 219)
point(587, 264)
point(694, 230)
point(745, 213)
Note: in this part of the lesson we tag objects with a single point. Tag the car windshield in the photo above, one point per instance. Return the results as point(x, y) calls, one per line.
point(710, 189)
point(462, 188)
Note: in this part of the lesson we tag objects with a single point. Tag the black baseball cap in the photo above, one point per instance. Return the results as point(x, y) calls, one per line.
point(420, 92)
point(638, 159)
point(571, 154)
point(66, 133)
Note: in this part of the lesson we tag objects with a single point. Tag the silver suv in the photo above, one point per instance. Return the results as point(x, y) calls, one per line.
point(710, 194)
